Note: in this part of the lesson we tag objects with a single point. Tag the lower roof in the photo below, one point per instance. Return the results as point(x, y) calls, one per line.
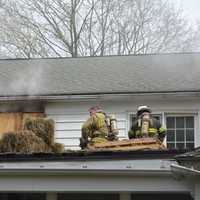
point(192, 155)
point(91, 155)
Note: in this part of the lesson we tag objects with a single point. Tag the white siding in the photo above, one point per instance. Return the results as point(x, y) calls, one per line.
point(68, 128)
point(70, 116)
point(68, 132)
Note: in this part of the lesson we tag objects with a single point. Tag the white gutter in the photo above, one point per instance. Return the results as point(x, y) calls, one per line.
point(184, 172)
point(120, 167)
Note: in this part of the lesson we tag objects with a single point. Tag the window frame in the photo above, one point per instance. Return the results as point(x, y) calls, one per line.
point(194, 115)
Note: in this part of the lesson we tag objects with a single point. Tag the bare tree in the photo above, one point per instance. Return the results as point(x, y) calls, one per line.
point(148, 26)
point(56, 25)
point(74, 28)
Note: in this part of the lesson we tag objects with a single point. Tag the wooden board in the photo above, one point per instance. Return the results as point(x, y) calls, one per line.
point(10, 122)
point(127, 145)
point(13, 122)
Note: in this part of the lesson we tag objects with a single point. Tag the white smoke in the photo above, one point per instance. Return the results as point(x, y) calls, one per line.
point(28, 79)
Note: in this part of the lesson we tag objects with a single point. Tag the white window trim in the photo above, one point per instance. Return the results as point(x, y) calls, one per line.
point(197, 130)
point(195, 115)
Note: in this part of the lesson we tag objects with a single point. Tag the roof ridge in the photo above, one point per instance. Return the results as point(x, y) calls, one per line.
point(105, 56)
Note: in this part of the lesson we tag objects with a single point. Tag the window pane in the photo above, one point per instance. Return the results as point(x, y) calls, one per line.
point(190, 145)
point(170, 145)
point(190, 135)
point(132, 119)
point(180, 135)
point(171, 135)
point(179, 122)
point(189, 122)
point(157, 117)
point(170, 122)
point(180, 145)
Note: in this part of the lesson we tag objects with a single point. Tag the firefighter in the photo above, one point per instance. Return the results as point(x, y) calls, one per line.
point(146, 125)
point(95, 128)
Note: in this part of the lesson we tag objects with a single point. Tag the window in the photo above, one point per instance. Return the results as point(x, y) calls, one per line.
point(180, 132)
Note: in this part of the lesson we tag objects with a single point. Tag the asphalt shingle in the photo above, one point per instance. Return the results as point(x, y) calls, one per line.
point(93, 75)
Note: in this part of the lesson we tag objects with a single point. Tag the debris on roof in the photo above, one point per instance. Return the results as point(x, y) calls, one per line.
point(128, 145)
point(91, 155)
point(23, 141)
point(42, 127)
point(37, 136)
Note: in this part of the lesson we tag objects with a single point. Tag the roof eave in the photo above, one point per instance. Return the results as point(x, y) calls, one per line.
point(103, 95)
point(20, 172)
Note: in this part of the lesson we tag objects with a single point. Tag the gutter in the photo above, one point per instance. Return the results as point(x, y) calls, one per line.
point(184, 172)
point(87, 96)
point(129, 167)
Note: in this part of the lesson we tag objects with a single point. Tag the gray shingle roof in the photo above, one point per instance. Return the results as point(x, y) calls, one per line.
point(93, 75)
point(195, 154)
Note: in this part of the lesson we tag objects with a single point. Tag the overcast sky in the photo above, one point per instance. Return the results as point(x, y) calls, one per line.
point(191, 8)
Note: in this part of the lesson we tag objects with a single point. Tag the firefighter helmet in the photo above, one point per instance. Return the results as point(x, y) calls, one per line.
point(142, 109)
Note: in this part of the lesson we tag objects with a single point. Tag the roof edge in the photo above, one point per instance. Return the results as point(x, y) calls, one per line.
point(18, 171)
point(80, 96)
point(183, 172)
point(104, 56)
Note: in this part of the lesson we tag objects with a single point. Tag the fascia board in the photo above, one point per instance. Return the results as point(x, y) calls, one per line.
point(56, 172)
